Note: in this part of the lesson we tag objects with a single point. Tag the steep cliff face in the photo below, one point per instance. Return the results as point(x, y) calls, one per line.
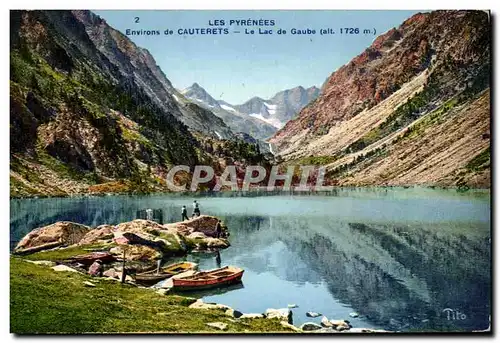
point(82, 121)
point(137, 63)
point(290, 101)
point(431, 71)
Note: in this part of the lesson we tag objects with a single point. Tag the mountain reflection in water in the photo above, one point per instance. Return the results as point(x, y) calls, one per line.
point(398, 258)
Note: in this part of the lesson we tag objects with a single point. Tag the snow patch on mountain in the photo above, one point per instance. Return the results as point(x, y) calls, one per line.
point(271, 109)
point(228, 108)
point(276, 123)
point(270, 106)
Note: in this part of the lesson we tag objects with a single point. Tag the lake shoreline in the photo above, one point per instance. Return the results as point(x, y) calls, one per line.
point(261, 191)
point(37, 260)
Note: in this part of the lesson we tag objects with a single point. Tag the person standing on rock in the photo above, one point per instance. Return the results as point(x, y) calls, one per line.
point(196, 209)
point(184, 213)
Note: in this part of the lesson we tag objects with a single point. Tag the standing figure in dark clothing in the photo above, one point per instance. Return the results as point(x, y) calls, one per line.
point(218, 229)
point(184, 213)
point(196, 209)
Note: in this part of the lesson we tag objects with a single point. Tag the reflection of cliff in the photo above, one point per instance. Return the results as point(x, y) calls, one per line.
point(455, 258)
point(396, 276)
point(257, 243)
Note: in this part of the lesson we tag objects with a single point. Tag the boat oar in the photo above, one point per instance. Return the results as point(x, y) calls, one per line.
point(158, 263)
point(123, 267)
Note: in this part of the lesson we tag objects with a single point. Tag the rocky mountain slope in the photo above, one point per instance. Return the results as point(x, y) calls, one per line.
point(138, 64)
point(282, 107)
point(238, 122)
point(91, 113)
point(413, 108)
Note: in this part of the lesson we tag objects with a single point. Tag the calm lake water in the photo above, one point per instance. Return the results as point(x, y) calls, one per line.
point(404, 259)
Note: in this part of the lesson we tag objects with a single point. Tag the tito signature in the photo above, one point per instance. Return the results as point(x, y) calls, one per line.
point(452, 314)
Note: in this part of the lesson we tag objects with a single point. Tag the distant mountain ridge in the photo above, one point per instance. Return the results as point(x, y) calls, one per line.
point(282, 107)
point(238, 122)
point(257, 117)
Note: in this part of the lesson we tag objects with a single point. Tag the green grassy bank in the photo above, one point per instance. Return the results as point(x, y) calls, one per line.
point(45, 301)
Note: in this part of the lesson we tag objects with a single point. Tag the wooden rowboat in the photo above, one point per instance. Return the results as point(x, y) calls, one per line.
point(151, 277)
point(180, 267)
point(209, 279)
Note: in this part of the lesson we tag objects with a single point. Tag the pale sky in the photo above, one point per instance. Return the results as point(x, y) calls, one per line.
point(237, 67)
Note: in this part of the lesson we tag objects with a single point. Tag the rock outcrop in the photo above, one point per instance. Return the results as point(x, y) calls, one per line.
point(100, 233)
point(204, 224)
point(137, 252)
point(51, 236)
point(201, 231)
point(142, 240)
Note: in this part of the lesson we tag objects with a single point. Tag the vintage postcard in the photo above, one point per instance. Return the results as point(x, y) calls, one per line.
point(250, 171)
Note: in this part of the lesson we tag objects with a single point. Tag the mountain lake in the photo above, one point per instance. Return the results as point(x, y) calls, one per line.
point(408, 259)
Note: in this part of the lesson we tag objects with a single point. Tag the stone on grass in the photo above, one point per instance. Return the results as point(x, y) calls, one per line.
point(64, 268)
point(112, 273)
point(88, 284)
point(310, 326)
point(96, 269)
point(233, 313)
point(252, 316)
point(218, 325)
point(200, 304)
point(289, 326)
point(280, 313)
point(42, 263)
